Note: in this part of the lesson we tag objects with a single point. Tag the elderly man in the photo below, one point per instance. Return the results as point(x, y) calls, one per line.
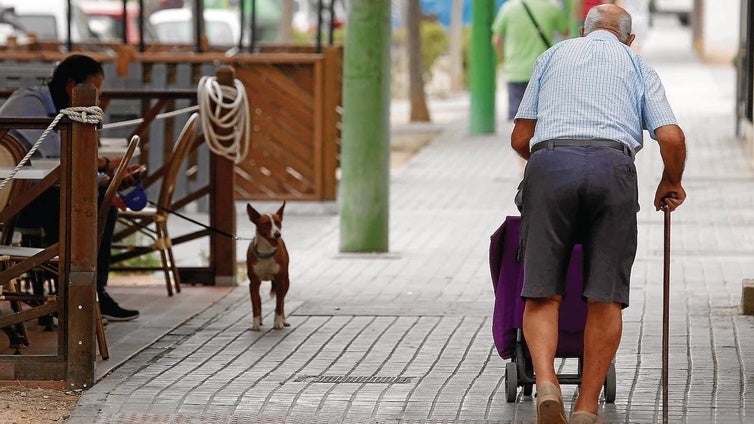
point(579, 126)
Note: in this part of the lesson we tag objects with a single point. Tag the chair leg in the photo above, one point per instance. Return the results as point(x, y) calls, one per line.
point(162, 228)
point(38, 280)
point(35, 237)
point(100, 330)
point(173, 265)
point(161, 245)
point(17, 334)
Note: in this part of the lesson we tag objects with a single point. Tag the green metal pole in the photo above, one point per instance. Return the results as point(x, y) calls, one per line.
point(573, 10)
point(482, 68)
point(365, 145)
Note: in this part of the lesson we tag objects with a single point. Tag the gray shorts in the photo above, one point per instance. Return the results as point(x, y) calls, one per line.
point(584, 195)
point(516, 92)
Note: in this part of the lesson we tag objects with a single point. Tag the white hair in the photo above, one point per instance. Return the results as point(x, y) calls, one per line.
point(595, 20)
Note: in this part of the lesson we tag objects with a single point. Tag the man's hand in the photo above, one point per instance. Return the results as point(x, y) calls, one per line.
point(672, 143)
point(669, 194)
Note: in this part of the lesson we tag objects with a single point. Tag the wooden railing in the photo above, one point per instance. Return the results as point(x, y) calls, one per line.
point(76, 251)
point(294, 94)
point(294, 100)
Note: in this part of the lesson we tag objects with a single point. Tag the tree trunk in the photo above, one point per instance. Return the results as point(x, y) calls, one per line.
point(482, 68)
point(364, 194)
point(286, 19)
point(417, 97)
point(456, 47)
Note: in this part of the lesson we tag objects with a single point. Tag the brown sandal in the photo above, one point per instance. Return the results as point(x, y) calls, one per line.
point(550, 405)
point(583, 417)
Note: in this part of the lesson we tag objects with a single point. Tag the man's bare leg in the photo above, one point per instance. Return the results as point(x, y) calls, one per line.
point(604, 325)
point(541, 333)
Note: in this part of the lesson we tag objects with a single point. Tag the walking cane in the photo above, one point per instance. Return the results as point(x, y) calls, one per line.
point(665, 311)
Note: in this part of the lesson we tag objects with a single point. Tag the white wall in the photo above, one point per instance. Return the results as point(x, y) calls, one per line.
point(721, 23)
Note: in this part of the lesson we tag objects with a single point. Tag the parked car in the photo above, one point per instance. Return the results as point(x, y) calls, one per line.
point(48, 19)
point(105, 19)
point(306, 15)
point(176, 26)
point(268, 13)
point(9, 26)
point(222, 26)
point(681, 8)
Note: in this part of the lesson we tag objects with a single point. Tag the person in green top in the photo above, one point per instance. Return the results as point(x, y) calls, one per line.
point(517, 42)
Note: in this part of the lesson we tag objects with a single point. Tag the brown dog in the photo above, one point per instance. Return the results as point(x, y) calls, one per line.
point(267, 259)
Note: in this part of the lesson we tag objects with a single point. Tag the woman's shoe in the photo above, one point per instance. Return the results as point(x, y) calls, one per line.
point(111, 311)
point(550, 405)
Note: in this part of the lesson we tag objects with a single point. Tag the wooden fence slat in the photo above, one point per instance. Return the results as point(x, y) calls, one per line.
point(300, 136)
point(280, 103)
point(283, 144)
point(318, 127)
point(285, 83)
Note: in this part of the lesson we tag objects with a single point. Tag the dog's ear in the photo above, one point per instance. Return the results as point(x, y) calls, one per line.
point(253, 214)
point(280, 211)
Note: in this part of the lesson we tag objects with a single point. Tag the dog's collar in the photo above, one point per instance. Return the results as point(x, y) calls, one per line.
point(260, 255)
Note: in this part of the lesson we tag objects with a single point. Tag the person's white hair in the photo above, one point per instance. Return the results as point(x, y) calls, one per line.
point(595, 20)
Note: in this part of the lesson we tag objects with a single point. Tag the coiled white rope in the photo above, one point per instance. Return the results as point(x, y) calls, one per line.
point(83, 114)
point(218, 113)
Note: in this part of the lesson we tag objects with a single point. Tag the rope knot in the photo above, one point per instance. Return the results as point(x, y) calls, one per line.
point(84, 114)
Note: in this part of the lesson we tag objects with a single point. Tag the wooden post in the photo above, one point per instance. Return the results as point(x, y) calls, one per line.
point(78, 256)
point(147, 76)
point(222, 210)
point(333, 81)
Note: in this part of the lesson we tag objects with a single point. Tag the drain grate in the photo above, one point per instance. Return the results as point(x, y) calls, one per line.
point(336, 379)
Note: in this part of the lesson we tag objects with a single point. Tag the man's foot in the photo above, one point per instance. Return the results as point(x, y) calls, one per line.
point(583, 417)
point(111, 311)
point(550, 405)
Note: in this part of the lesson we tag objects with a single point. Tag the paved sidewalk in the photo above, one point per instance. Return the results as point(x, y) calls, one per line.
point(405, 336)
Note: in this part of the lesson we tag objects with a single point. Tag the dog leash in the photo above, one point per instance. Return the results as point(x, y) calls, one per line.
point(206, 227)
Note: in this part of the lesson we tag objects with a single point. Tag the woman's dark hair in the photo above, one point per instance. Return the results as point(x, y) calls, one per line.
point(76, 67)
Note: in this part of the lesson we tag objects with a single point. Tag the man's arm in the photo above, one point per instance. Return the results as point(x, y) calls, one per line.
point(672, 143)
point(523, 131)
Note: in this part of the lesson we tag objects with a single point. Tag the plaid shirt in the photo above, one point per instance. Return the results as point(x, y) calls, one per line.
point(594, 87)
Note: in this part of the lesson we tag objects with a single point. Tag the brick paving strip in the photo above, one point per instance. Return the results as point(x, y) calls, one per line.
point(405, 336)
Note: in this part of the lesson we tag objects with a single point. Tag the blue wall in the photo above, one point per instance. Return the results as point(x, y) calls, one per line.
point(442, 9)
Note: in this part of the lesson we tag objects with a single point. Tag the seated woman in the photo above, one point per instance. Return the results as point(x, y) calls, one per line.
point(46, 101)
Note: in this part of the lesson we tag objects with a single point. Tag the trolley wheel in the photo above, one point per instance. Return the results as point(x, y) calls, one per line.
point(528, 389)
point(511, 382)
point(610, 384)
